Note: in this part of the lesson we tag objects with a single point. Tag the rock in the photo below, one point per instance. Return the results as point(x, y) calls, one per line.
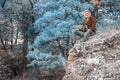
point(96, 49)
point(101, 60)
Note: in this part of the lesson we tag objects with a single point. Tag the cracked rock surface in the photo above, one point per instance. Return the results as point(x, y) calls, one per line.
point(96, 59)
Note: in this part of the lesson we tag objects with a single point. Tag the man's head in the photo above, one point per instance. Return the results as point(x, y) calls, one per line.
point(87, 13)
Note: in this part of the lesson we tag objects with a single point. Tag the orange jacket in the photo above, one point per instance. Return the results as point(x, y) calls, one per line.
point(91, 24)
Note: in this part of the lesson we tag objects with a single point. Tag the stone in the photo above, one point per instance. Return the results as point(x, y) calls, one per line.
point(96, 49)
point(101, 61)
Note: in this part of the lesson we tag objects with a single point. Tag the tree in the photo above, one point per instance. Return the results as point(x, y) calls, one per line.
point(54, 21)
point(19, 16)
point(5, 32)
point(2, 3)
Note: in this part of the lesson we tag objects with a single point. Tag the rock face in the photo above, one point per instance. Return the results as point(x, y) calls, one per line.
point(96, 59)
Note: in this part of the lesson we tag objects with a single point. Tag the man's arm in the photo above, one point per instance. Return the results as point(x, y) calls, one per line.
point(93, 25)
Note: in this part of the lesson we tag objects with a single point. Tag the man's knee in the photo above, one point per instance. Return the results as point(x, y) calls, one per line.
point(88, 33)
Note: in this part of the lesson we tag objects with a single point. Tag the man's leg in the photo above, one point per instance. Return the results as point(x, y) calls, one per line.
point(87, 35)
point(74, 34)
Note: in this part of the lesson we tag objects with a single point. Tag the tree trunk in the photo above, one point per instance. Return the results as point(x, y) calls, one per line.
point(3, 44)
point(12, 32)
point(25, 51)
point(16, 39)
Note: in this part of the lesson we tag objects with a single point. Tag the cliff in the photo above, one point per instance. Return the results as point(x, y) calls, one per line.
point(96, 59)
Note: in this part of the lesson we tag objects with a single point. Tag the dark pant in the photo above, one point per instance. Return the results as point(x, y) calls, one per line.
point(83, 35)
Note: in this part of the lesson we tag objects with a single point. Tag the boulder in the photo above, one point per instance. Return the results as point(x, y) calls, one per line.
point(101, 60)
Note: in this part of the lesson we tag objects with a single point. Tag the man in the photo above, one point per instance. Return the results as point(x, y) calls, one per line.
point(88, 29)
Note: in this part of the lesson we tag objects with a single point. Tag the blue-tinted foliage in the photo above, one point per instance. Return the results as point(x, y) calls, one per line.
point(55, 19)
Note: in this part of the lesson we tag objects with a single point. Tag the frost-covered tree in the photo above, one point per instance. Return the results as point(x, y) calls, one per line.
point(2, 3)
point(5, 31)
point(54, 21)
point(109, 12)
point(17, 14)
point(55, 18)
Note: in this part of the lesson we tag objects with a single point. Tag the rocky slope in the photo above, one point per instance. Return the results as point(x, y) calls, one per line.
point(96, 59)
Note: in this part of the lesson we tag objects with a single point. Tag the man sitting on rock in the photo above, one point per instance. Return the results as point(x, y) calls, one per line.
point(88, 29)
